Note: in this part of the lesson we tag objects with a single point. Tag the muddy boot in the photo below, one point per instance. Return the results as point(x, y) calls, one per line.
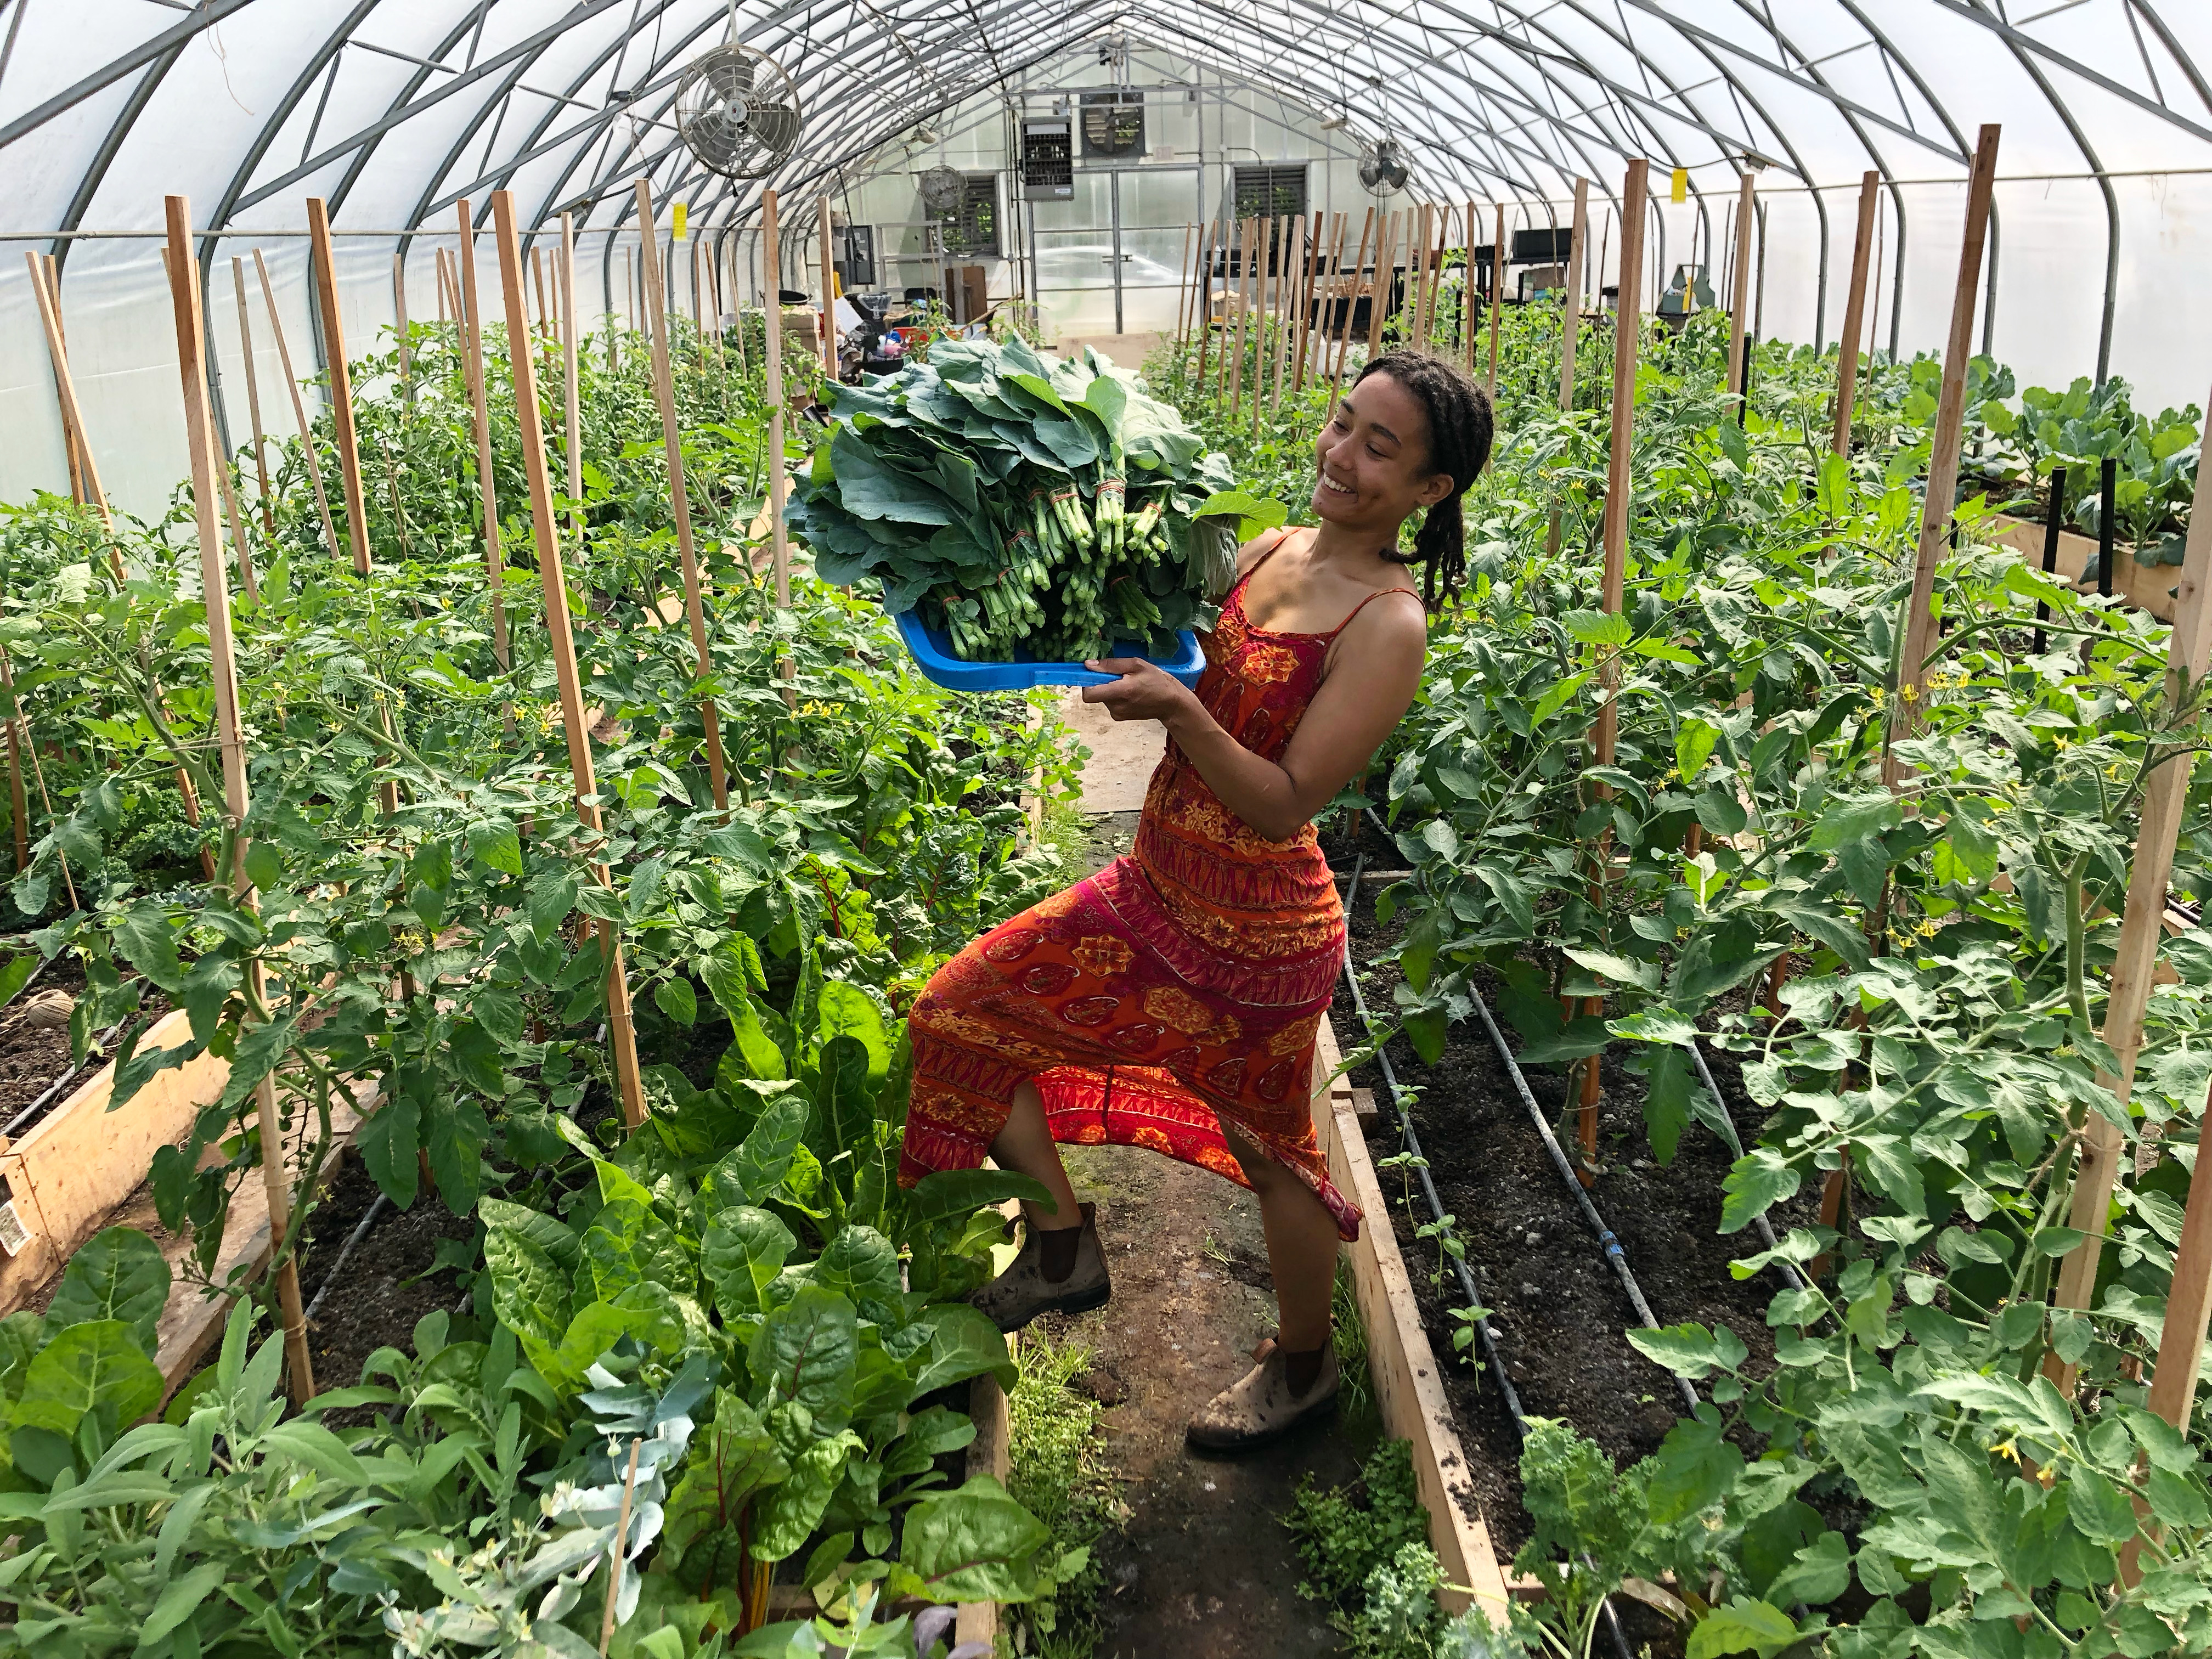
point(1022, 1292)
point(1260, 1407)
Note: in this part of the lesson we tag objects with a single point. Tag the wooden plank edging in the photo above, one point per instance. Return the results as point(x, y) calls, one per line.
point(1408, 1384)
point(84, 1157)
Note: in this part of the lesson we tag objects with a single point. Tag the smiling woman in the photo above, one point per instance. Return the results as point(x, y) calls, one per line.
point(1171, 1001)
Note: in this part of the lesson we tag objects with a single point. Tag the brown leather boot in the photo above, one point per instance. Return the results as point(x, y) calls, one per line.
point(1260, 1408)
point(1022, 1292)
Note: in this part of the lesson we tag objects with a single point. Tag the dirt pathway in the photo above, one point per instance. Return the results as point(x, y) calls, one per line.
point(1202, 1568)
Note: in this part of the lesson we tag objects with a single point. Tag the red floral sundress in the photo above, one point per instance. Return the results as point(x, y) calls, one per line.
point(1178, 989)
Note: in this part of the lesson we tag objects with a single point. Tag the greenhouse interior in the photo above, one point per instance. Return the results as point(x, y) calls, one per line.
point(707, 706)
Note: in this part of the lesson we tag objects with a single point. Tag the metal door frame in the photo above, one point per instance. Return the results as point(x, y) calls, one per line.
point(1113, 227)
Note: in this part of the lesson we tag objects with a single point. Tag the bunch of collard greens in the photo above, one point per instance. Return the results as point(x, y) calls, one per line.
point(932, 479)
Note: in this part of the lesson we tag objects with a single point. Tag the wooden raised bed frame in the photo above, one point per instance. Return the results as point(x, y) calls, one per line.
point(1409, 1387)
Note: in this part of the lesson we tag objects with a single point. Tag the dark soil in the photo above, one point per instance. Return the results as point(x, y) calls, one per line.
point(388, 1283)
point(1558, 1310)
point(33, 1056)
point(1201, 1566)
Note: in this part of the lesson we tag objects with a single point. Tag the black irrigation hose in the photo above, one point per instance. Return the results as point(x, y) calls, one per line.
point(1484, 1334)
point(360, 1230)
point(1607, 1242)
point(53, 1089)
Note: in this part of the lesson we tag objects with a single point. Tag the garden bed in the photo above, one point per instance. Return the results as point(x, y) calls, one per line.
point(1558, 1309)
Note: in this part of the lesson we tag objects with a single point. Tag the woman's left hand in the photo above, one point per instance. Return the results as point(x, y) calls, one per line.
point(1146, 692)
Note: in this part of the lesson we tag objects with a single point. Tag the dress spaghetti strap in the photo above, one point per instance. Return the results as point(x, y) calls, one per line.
point(1361, 606)
point(1281, 534)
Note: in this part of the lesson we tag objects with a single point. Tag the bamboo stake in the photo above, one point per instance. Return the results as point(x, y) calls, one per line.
point(1739, 301)
point(1266, 325)
point(183, 293)
point(828, 294)
point(1184, 272)
point(1497, 296)
point(1572, 326)
point(1326, 284)
point(237, 531)
point(1301, 326)
point(326, 290)
point(253, 394)
point(473, 373)
point(2135, 960)
point(1943, 457)
point(571, 410)
point(538, 280)
point(546, 536)
point(680, 501)
point(44, 269)
point(65, 393)
point(298, 405)
point(1847, 370)
point(1626, 342)
point(438, 263)
point(1232, 315)
point(2181, 1339)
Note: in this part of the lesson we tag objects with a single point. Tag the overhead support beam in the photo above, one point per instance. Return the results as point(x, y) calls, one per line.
point(209, 13)
point(2021, 40)
point(583, 13)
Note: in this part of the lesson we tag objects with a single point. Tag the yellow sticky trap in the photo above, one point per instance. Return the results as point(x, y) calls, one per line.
point(1680, 193)
point(683, 213)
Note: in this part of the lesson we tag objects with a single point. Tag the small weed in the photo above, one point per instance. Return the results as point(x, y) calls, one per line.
point(1057, 1466)
point(1348, 1334)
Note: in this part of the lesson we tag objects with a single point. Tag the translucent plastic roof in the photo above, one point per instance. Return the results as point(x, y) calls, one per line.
point(392, 109)
point(389, 107)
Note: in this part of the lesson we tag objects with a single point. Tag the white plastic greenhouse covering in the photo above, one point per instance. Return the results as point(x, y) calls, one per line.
point(392, 109)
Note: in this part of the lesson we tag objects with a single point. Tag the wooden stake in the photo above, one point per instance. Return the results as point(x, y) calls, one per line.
point(298, 405)
point(473, 373)
point(1386, 283)
point(778, 483)
point(1468, 299)
point(18, 740)
point(1351, 286)
point(1739, 301)
point(1183, 274)
point(399, 313)
point(1943, 458)
point(1286, 323)
point(1847, 369)
point(1201, 309)
point(829, 295)
point(252, 395)
point(546, 535)
point(1627, 339)
point(571, 410)
point(615, 1553)
point(199, 429)
point(1497, 295)
point(65, 393)
point(2135, 959)
point(1571, 327)
point(680, 501)
point(349, 446)
point(1248, 240)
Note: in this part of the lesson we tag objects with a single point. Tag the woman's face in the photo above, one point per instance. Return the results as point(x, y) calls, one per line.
point(1373, 458)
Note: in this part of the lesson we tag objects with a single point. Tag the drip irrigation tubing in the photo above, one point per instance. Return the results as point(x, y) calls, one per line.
point(1484, 1333)
point(1735, 1139)
point(361, 1232)
point(30, 1113)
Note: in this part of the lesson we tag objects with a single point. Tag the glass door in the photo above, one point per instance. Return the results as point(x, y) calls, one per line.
point(1155, 209)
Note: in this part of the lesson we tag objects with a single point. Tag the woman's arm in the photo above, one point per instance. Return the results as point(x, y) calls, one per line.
point(1370, 684)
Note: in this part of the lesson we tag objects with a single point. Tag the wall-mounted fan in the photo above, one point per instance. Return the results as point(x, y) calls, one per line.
point(738, 111)
point(1381, 169)
point(943, 189)
point(1112, 123)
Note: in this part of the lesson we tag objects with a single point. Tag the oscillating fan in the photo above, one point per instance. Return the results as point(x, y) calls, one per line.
point(738, 111)
point(943, 190)
point(1382, 170)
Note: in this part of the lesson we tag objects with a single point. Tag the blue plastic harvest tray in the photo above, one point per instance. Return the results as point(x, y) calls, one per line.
point(933, 651)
